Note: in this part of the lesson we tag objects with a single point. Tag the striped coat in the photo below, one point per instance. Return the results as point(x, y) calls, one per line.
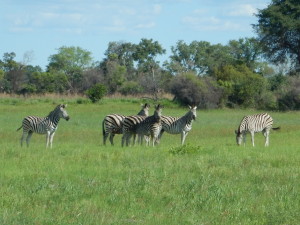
point(179, 125)
point(150, 127)
point(112, 124)
point(255, 123)
point(43, 125)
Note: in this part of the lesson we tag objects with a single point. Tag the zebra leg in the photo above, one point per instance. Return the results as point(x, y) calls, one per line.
point(111, 138)
point(47, 138)
point(266, 134)
point(124, 138)
point(135, 139)
point(252, 138)
point(183, 136)
point(153, 140)
point(140, 139)
point(105, 136)
point(244, 138)
point(51, 139)
point(128, 137)
point(22, 138)
point(28, 137)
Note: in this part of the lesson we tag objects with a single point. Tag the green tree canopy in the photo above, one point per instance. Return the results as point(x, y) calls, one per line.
point(72, 61)
point(278, 30)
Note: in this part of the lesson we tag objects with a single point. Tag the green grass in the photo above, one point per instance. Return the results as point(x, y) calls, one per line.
point(208, 181)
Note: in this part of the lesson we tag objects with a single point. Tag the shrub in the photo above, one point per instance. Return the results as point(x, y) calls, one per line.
point(184, 149)
point(189, 89)
point(289, 96)
point(96, 92)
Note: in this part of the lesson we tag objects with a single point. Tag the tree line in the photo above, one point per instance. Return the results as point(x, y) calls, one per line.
point(260, 72)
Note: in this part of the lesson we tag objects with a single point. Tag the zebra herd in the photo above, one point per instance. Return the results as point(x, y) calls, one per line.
point(142, 126)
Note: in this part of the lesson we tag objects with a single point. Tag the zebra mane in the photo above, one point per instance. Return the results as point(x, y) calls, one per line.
point(54, 112)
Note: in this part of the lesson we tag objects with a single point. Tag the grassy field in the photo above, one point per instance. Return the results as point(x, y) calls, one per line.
point(208, 181)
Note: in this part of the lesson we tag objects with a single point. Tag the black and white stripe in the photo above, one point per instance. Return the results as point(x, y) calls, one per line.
point(43, 125)
point(129, 127)
point(112, 124)
point(255, 123)
point(179, 125)
point(150, 127)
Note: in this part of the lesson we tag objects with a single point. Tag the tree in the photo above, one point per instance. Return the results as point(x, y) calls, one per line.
point(14, 74)
point(246, 51)
point(278, 30)
point(72, 61)
point(145, 54)
point(199, 57)
point(123, 52)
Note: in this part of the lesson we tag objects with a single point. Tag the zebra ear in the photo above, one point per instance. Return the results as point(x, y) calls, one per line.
point(189, 107)
point(236, 132)
point(63, 105)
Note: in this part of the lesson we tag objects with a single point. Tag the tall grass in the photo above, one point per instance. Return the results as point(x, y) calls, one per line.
point(208, 181)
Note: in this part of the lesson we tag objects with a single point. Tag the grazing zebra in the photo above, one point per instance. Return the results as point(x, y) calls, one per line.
point(43, 125)
point(151, 126)
point(179, 125)
point(255, 123)
point(112, 124)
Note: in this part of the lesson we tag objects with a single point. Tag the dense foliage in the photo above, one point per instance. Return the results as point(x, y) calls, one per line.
point(239, 74)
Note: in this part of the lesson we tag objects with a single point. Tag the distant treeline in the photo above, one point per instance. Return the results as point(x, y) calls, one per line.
point(239, 74)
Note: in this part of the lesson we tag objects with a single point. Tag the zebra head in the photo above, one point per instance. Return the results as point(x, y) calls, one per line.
point(158, 110)
point(62, 112)
point(145, 110)
point(239, 137)
point(193, 112)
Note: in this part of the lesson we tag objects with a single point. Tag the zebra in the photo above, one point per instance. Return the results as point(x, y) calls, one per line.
point(43, 125)
point(112, 124)
point(179, 125)
point(150, 127)
point(128, 127)
point(255, 123)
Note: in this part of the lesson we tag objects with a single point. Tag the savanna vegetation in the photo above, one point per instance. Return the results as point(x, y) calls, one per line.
point(253, 72)
point(210, 180)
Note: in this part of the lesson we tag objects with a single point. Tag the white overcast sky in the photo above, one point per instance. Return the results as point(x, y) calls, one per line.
point(37, 28)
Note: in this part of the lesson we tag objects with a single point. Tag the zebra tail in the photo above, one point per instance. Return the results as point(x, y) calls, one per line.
point(276, 128)
point(19, 128)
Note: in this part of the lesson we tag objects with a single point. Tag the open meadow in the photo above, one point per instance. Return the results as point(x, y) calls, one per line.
point(210, 180)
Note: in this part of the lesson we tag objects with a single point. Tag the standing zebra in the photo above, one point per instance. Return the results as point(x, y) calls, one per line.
point(112, 124)
point(255, 123)
point(179, 125)
point(43, 125)
point(151, 126)
point(129, 126)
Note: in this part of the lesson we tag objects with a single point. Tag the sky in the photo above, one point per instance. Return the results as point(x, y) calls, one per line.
point(36, 29)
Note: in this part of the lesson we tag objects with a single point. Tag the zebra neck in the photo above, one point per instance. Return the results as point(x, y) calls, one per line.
point(54, 119)
point(187, 119)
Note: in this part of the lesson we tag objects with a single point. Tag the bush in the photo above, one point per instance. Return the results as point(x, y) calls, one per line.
point(96, 92)
point(289, 96)
point(189, 89)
